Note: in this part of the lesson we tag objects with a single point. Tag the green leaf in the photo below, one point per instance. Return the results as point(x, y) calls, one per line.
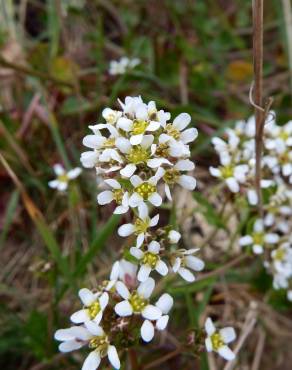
point(97, 244)
point(8, 218)
point(193, 287)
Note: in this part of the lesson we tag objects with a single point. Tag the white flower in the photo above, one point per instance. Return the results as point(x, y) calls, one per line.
point(217, 340)
point(176, 131)
point(149, 260)
point(63, 177)
point(172, 176)
point(141, 225)
point(232, 175)
point(137, 302)
point(144, 191)
point(111, 116)
point(258, 238)
point(164, 303)
point(125, 271)
point(120, 67)
point(174, 236)
point(92, 335)
point(94, 305)
point(117, 194)
point(185, 261)
point(289, 295)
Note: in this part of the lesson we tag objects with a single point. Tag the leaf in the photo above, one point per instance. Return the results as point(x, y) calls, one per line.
point(8, 218)
point(206, 208)
point(97, 244)
point(193, 287)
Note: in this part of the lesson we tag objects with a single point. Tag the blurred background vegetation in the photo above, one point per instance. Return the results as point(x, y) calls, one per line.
point(196, 56)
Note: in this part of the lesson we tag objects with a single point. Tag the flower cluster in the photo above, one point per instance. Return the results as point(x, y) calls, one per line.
point(141, 155)
point(120, 67)
point(268, 237)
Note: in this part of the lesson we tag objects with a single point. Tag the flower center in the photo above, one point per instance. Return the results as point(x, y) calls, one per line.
point(111, 118)
point(63, 178)
point(258, 238)
point(284, 135)
point(172, 131)
point(141, 226)
point(93, 309)
point(139, 127)
point(145, 190)
point(109, 143)
point(279, 255)
point(100, 344)
point(150, 259)
point(118, 195)
point(162, 150)
point(138, 155)
point(171, 176)
point(137, 302)
point(217, 341)
point(226, 172)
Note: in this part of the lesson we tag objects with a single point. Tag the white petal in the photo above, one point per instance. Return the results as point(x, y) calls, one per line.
point(62, 186)
point(147, 331)
point(245, 240)
point(145, 289)
point(167, 192)
point(257, 249)
point(209, 326)
point(154, 221)
point(58, 169)
point(94, 328)
point(161, 268)
point(136, 252)
point(79, 317)
point(141, 112)
point(123, 145)
point(126, 230)
point(272, 238)
point(184, 165)
point(143, 211)
point(72, 174)
point(228, 334)
point(103, 300)
point(135, 200)
point(86, 296)
point(136, 181)
point(93, 141)
point(186, 274)
point(123, 309)
point(113, 357)
point(165, 302)
point(89, 159)
point(162, 322)
point(189, 135)
point(144, 273)
point(194, 263)
point(208, 344)
point(252, 197)
point(125, 124)
point(136, 139)
point(121, 210)
point(70, 345)
point(153, 126)
point(232, 185)
point(181, 121)
point(176, 264)
point(105, 197)
point(258, 226)
point(154, 247)
point(122, 290)
point(53, 184)
point(113, 183)
point(128, 170)
point(147, 141)
point(187, 182)
point(140, 240)
point(174, 236)
point(226, 353)
point(155, 199)
point(151, 312)
point(92, 361)
point(215, 171)
point(115, 271)
point(157, 162)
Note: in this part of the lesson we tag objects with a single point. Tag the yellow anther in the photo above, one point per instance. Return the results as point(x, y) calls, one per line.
point(139, 127)
point(145, 190)
point(217, 341)
point(258, 238)
point(280, 254)
point(109, 143)
point(172, 131)
point(100, 344)
point(171, 176)
point(137, 302)
point(63, 178)
point(226, 171)
point(141, 225)
point(118, 195)
point(93, 309)
point(162, 150)
point(138, 155)
point(150, 259)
